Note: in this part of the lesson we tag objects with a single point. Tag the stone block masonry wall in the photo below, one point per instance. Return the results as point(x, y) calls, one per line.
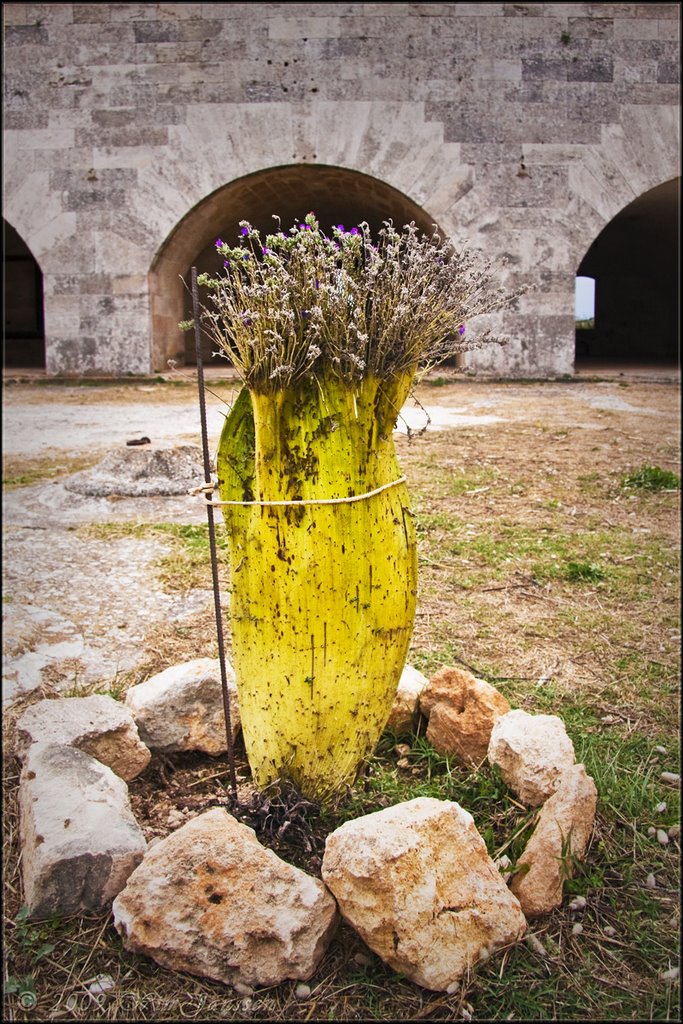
point(523, 128)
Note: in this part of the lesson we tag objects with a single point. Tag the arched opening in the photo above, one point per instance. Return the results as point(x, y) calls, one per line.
point(23, 331)
point(335, 195)
point(634, 263)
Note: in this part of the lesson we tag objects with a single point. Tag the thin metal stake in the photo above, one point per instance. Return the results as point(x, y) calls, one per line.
point(212, 540)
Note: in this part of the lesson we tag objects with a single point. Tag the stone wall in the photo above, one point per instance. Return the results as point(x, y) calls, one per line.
point(522, 128)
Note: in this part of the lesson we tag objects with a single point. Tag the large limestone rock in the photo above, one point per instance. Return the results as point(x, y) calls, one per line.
point(79, 838)
point(417, 884)
point(532, 752)
point(560, 837)
point(98, 725)
point(181, 708)
point(150, 469)
point(461, 710)
point(404, 712)
point(210, 900)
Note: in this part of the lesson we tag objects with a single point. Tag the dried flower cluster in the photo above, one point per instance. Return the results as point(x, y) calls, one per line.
point(307, 305)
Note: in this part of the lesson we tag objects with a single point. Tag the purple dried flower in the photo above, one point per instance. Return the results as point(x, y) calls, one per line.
point(219, 243)
point(354, 231)
point(244, 231)
point(226, 263)
point(461, 330)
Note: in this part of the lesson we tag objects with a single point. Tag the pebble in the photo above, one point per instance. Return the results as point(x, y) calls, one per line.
point(675, 832)
point(577, 929)
point(302, 991)
point(578, 903)
point(651, 882)
point(671, 778)
point(609, 931)
point(652, 831)
point(662, 837)
point(661, 750)
point(402, 749)
point(243, 990)
point(362, 959)
point(101, 984)
point(452, 988)
point(670, 975)
point(660, 808)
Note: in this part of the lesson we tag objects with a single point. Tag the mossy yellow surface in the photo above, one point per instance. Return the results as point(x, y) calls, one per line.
point(323, 595)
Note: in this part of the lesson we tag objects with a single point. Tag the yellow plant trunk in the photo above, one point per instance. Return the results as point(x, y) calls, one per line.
point(323, 595)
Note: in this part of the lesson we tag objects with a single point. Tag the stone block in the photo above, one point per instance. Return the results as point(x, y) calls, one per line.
point(210, 900)
point(22, 35)
point(557, 843)
point(462, 711)
point(404, 712)
point(532, 753)
point(417, 884)
point(591, 69)
point(181, 708)
point(157, 32)
point(79, 838)
point(99, 726)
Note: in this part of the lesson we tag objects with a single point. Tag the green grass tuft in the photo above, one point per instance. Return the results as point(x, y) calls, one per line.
point(584, 572)
point(652, 478)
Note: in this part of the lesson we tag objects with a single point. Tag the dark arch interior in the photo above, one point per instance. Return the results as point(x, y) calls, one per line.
point(334, 194)
point(23, 333)
point(634, 261)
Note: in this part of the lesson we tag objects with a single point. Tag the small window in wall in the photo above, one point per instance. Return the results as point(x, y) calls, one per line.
point(585, 303)
point(584, 317)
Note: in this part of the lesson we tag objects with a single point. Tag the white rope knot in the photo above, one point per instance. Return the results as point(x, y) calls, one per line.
point(303, 501)
point(207, 488)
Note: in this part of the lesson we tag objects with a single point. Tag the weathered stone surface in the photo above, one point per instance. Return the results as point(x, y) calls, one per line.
point(532, 752)
point(210, 900)
point(461, 710)
point(561, 836)
point(181, 708)
point(142, 470)
point(98, 725)
point(405, 708)
point(591, 132)
point(80, 840)
point(417, 884)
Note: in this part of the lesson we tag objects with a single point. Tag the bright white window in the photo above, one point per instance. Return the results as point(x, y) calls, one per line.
point(585, 301)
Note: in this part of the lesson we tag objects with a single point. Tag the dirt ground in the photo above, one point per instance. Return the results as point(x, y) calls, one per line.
point(514, 486)
point(76, 610)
